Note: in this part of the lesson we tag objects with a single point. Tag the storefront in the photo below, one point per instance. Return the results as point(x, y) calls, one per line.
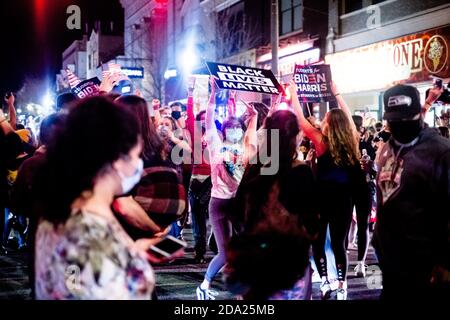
point(364, 73)
point(303, 53)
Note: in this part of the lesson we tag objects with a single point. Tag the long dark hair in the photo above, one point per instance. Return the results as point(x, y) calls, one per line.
point(256, 186)
point(94, 135)
point(153, 145)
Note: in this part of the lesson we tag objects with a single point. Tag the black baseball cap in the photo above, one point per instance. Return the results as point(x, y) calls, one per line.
point(401, 102)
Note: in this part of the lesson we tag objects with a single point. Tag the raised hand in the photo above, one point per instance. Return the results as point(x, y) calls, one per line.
point(250, 109)
point(109, 82)
point(11, 99)
point(434, 94)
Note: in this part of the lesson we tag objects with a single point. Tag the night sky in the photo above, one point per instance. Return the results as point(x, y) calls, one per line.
point(34, 35)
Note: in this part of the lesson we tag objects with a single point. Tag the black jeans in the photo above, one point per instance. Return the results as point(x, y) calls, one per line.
point(199, 196)
point(363, 207)
point(336, 210)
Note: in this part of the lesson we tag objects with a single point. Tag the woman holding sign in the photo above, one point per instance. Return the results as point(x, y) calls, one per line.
point(339, 175)
point(228, 159)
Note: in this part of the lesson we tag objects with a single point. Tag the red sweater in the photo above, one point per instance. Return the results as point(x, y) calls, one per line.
point(200, 166)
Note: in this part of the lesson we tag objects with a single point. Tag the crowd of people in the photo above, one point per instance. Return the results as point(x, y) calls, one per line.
point(107, 181)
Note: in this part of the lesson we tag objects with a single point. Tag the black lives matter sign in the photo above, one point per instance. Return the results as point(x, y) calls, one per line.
point(87, 88)
point(244, 78)
point(313, 83)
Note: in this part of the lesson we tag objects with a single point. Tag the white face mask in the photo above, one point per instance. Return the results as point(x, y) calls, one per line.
point(234, 135)
point(128, 183)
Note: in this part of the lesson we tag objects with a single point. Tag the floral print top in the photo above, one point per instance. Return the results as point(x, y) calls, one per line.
point(89, 258)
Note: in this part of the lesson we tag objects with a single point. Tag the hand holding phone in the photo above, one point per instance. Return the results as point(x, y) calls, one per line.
point(167, 247)
point(147, 248)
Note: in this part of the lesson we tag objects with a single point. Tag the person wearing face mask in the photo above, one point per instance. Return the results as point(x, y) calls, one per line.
point(411, 237)
point(148, 211)
point(177, 148)
point(200, 182)
point(82, 252)
point(227, 159)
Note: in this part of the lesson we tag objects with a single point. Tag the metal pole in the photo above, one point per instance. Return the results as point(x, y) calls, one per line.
point(275, 35)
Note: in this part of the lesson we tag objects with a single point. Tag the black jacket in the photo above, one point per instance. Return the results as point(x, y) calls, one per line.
point(412, 230)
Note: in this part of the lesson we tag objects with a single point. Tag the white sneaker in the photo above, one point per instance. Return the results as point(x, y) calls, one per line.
point(341, 294)
point(316, 278)
point(325, 289)
point(206, 294)
point(360, 270)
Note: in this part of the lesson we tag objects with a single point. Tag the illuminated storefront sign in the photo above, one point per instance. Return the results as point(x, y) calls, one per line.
point(133, 72)
point(286, 64)
point(410, 59)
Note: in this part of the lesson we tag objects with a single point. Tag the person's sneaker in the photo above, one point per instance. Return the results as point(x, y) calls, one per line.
point(316, 278)
point(206, 294)
point(360, 270)
point(325, 289)
point(341, 294)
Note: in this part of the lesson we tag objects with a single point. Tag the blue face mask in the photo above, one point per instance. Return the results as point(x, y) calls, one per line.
point(234, 135)
point(128, 183)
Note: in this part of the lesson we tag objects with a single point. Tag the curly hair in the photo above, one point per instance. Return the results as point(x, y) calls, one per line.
point(93, 135)
point(341, 138)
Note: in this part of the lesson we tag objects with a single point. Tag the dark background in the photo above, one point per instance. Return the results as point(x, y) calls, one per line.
point(34, 35)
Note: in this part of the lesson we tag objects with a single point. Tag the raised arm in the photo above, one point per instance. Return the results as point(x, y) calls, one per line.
point(231, 103)
point(156, 105)
point(210, 126)
point(344, 107)
point(433, 95)
point(341, 102)
point(251, 138)
point(190, 121)
point(310, 131)
point(275, 104)
point(12, 112)
point(4, 124)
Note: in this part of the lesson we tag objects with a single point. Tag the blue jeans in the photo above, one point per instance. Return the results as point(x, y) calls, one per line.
point(175, 231)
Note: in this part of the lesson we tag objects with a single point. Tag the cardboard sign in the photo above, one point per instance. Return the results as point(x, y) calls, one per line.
point(87, 88)
point(242, 78)
point(313, 83)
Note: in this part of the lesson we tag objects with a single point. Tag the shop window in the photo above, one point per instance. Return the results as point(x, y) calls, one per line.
point(291, 16)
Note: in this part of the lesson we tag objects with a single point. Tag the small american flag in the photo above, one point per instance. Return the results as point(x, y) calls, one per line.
point(72, 79)
point(114, 68)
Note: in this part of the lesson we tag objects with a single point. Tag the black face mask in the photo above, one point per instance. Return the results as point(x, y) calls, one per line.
point(176, 115)
point(405, 131)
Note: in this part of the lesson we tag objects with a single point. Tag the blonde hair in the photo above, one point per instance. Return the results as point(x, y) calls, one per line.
point(342, 138)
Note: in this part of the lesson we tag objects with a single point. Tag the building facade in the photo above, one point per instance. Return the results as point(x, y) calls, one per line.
point(375, 44)
point(146, 44)
point(74, 59)
point(101, 48)
point(238, 32)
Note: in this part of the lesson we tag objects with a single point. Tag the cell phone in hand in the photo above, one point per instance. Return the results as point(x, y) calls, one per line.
point(167, 247)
